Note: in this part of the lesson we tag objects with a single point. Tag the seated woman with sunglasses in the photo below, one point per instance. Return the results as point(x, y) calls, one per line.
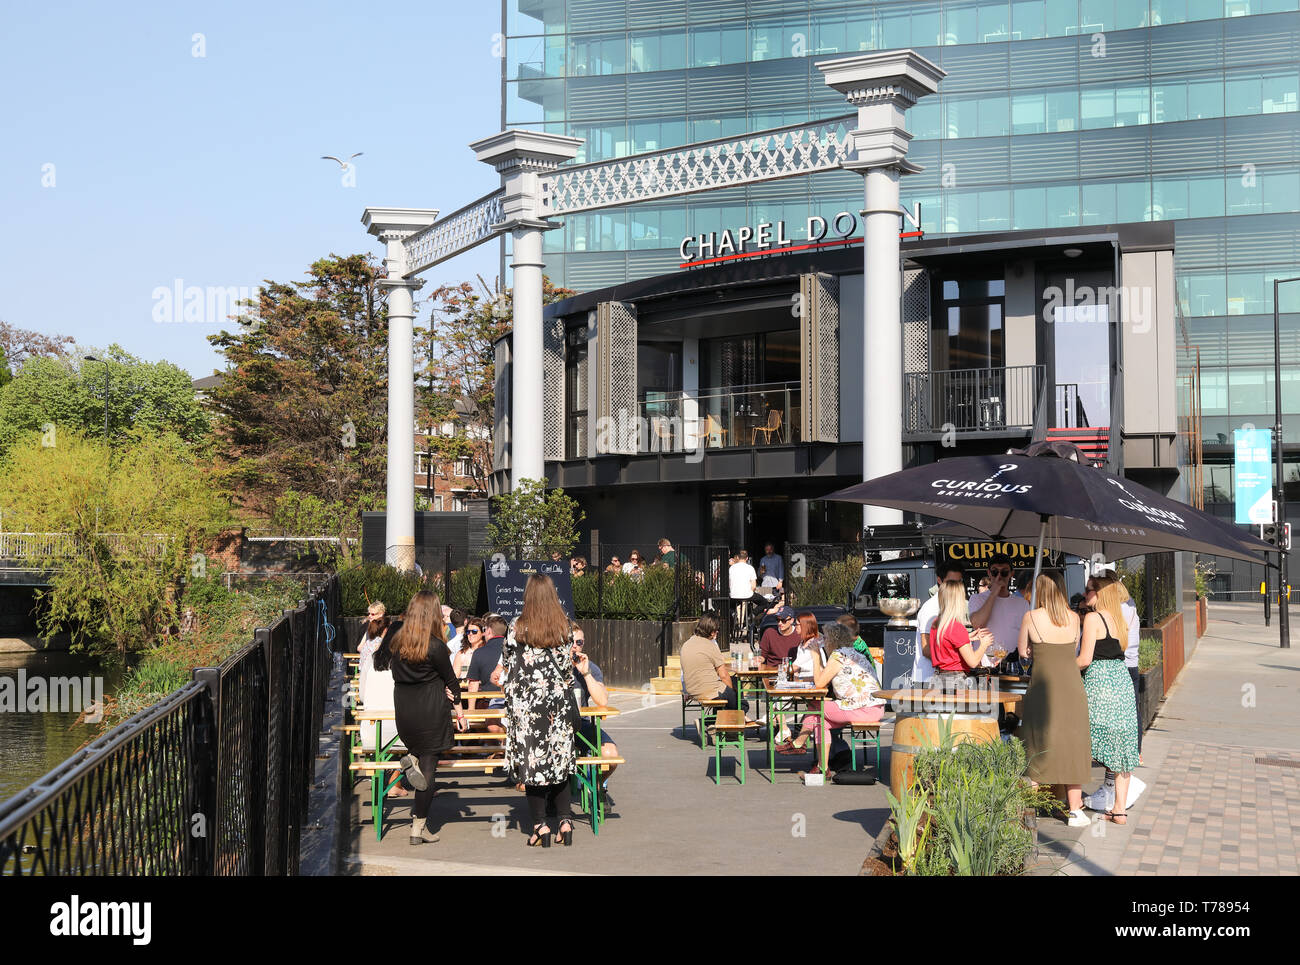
point(470, 641)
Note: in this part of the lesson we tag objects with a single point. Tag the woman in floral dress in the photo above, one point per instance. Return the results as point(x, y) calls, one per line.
point(538, 691)
point(850, 673)
point(1112, 711)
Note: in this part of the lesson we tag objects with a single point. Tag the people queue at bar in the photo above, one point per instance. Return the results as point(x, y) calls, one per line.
point(1081, 704)
point(423, 664)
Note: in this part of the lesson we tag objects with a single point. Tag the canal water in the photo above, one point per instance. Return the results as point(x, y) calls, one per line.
point(34, 742)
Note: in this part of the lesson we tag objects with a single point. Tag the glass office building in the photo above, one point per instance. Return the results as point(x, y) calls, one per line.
point(1054, 114)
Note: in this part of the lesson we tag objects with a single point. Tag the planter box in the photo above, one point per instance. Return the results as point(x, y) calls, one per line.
point(1151, 690)
point(1202, 615)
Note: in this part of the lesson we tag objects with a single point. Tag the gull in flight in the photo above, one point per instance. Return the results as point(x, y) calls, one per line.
point(343, 164)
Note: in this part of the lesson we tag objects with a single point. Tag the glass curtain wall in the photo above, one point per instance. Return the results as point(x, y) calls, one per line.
point(1055, 113)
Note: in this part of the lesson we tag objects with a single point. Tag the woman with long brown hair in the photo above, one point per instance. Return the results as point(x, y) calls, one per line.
point(1112, 711)
point(1054, 725)
point(415, 648)
point(539, 722)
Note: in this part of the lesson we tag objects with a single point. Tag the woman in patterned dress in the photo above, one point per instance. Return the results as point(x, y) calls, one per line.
point(850, 674)
point(538, 695)
point(1112, 713)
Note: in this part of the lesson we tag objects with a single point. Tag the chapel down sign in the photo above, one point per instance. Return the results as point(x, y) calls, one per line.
point(536, 189)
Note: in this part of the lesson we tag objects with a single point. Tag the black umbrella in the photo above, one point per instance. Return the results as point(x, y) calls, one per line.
point(1016, 495)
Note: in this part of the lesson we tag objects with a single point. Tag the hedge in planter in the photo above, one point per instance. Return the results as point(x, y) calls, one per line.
point(978, 797)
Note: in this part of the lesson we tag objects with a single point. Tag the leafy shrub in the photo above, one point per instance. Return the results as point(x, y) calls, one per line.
point(648, 598)
point(831, 584)
point(464, 587)
point(219, 621)
point(377, 581)
point(978, 795)
point(1150, 652)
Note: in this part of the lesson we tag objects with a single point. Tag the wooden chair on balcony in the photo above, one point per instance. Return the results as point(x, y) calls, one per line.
point(773, 426)
point(663, 431)
point(712, 427)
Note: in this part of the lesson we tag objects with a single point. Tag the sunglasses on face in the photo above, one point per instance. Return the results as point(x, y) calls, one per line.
point(999, 572)
point(474, 630)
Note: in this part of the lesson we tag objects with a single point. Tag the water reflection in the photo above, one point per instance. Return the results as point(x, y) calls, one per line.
point(32, 744)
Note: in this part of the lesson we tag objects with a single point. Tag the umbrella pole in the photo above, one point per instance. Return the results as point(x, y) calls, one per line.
point(1038, 563)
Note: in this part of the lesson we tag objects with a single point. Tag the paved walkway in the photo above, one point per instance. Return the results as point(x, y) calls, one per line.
point(1222, 798)
point(1222, 764)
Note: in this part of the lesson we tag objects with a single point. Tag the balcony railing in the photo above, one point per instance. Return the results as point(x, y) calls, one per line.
point(972, 400)
point(738, 417)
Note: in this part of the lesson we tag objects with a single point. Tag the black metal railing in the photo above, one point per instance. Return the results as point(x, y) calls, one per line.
point(211, 780)
point(972, 400)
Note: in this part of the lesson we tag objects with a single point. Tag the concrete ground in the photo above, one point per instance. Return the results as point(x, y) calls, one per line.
point(1222, 762)
point(669, 817)
point(1222, 765)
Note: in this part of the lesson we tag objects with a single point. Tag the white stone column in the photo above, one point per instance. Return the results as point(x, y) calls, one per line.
point(882, 86)
point(522, 157)
point(393, 226)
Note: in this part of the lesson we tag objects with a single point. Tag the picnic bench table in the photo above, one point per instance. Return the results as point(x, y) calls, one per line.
point(385, 762)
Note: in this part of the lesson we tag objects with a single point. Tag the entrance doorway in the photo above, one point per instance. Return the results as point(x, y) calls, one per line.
point(748, 522)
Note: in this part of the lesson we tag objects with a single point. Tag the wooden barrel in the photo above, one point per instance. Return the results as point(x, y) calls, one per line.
point(914, 731)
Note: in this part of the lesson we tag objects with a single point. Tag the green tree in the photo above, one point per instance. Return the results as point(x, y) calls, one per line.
point(69, 393)
point(6, 374)
point(458, 384)
point(133, 521)
point(17, 345)
point(302, 411)
point(533, 521)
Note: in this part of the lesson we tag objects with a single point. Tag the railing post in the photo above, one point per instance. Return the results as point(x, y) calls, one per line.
point(207, 747)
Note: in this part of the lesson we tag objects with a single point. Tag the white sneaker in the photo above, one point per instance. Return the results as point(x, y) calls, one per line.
point(1102, 799)
point(1078, 819)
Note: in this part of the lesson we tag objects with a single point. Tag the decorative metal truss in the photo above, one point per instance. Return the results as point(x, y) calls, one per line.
point(729, 162)
point(459, 231)
point(782, 152)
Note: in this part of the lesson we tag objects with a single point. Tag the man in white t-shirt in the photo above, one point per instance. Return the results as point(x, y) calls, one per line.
point(922, 668)
point(742, 578)
point(997, 608)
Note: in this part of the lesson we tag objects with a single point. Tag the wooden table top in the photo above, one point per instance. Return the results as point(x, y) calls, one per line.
point(372, 715)
point(756, 672)
point(918, 696)
point(770, 685)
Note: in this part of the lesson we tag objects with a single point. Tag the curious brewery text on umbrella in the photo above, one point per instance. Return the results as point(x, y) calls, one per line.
point(1016, 495)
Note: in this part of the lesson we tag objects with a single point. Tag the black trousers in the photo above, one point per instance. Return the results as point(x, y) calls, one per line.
point(547, 801)
point(729, 695)
point(428, 767)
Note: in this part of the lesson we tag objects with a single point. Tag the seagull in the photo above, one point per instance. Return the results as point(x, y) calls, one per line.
point(343, 164)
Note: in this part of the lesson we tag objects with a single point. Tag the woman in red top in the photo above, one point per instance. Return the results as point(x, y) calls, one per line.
point(951, 649)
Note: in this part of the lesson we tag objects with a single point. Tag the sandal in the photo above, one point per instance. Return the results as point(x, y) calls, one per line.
point(541, 836)
point(1115, 817)
point(790, 748)
point(565, 833)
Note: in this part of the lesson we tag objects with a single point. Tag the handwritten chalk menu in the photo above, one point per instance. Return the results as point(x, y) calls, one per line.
point(501, 588)
point(900, 648)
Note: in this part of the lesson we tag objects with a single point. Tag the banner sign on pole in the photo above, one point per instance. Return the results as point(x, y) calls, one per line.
point(1252, 475)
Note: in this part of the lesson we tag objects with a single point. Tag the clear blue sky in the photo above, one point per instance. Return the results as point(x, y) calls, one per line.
point(207, 169)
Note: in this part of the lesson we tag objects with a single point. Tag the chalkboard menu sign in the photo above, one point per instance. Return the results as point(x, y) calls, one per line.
point(501, 588)
point(900, 648)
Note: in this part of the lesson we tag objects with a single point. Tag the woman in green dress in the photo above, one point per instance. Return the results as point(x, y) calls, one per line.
point(1112, 711)
point(1054, 713)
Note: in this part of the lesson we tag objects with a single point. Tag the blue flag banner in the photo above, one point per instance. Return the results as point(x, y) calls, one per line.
point(1252, 475)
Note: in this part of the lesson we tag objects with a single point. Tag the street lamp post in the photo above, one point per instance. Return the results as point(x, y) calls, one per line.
point(91, 358)
point(1283, 619)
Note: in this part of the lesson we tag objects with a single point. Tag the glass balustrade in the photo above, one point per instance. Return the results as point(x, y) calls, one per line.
point(740, 416)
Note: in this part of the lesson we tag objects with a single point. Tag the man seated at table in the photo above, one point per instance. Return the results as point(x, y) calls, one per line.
point(705, 674)
point(484, 661)
point(780, 641)
point(589, 690)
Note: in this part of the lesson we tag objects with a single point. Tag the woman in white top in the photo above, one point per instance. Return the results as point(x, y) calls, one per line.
point(376, 626)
